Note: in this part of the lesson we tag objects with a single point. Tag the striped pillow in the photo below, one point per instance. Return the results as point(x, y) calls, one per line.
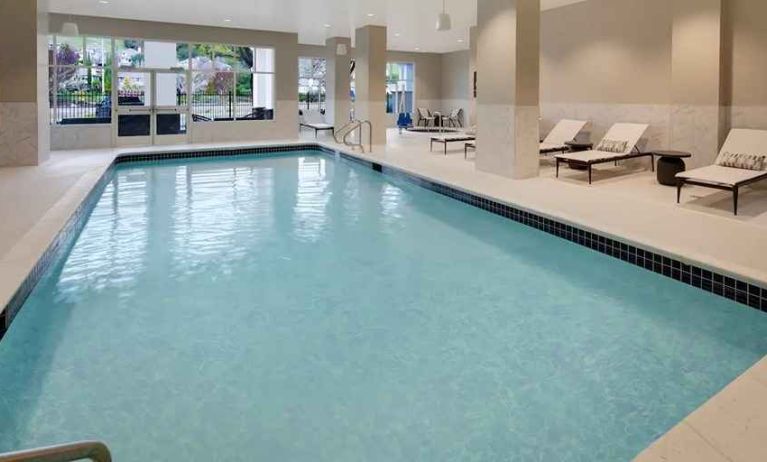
point(612, 146)
point(742, 161)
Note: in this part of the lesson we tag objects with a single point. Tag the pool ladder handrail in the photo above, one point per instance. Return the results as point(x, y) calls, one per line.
point(81, 450)
point(342, 135)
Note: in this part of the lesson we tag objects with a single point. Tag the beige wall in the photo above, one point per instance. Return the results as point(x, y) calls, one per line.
point(428, 80)
point(285, 124)
point(745, 40)
point(607, 51)
point(607, 61)
point(456, 83)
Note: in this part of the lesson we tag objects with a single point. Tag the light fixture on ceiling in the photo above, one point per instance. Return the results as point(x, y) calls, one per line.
point(70, 29)
point(370, 15)
point(443, 19)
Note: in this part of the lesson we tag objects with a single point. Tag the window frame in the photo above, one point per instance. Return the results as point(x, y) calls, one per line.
point(116, 68)
point(413, 81)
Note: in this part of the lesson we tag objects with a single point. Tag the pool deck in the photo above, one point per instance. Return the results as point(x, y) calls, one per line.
point(625, 203)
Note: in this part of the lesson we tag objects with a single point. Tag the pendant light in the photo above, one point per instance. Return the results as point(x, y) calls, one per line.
point(70, 29)
point(444, 22)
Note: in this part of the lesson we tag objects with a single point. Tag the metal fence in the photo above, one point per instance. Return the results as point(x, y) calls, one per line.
point(68, 108)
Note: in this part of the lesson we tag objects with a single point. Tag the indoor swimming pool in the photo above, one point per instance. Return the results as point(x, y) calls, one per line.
point(301, 307)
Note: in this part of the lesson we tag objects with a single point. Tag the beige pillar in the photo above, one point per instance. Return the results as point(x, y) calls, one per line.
point(339, 103)
point(24, 116)
point(370, 79)
point(508, 48)
point(471, 117)
point(697, 115)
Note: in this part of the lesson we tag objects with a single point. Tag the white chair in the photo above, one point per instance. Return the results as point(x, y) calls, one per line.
point(623, 137)
point(425, 116)
point(739, 141)
point(564, 131)
point(314, 120)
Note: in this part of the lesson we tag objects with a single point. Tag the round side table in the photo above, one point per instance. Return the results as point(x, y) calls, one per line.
point(669, 164)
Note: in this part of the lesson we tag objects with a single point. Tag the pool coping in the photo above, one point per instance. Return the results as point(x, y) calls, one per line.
point(714, 280)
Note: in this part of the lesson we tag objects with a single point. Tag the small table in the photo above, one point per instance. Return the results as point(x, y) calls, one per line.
point(669, 164)
point(578, 146)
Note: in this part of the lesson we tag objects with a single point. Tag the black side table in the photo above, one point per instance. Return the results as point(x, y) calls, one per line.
point(669, 164)
point(578, 146)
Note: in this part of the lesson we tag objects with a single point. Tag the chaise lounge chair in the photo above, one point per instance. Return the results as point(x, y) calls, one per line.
point(556, 141)
point(314, 120)
point(445, 140)
point(741, 161)
point(563, 132)
point(620, 143)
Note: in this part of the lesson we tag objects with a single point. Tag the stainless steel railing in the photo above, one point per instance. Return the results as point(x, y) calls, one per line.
point(344, 134)
point(83, 450)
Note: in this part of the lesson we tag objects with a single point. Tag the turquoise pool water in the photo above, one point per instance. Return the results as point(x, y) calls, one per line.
point(300, 308)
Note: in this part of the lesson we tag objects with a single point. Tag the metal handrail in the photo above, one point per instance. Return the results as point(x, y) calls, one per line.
point(342, 135)
point(92, 450)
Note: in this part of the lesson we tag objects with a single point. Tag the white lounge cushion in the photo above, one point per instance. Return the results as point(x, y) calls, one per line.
point(718, 175)
point(320, 126)
point(748, 141)
point(590, 156)
point(565, 130)
point(448, 139)
point(314, 118)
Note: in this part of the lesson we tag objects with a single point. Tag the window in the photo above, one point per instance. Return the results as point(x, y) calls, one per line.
point(231, 82)
point(228, 82)
point(400, 87)
point(80, 80)
point(312, 84)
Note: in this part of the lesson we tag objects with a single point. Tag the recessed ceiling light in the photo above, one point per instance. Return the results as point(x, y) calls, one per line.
point(327, 26)
point(460, 40)
point(104, 2)
point(417, 49)
point(370, 15)
point(397, 34)
point(227, 20)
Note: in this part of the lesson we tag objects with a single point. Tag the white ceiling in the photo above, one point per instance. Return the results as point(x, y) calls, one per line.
point(411, 23)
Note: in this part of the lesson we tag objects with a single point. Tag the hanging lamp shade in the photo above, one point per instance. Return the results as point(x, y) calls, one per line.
point(70, 29)
point(443, 20)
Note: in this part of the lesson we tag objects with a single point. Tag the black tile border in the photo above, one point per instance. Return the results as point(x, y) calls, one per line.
point(743, 292)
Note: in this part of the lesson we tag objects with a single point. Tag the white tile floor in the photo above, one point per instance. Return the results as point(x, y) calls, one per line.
point(624, 202)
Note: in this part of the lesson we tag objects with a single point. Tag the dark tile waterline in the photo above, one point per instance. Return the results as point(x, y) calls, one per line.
point(742, 292)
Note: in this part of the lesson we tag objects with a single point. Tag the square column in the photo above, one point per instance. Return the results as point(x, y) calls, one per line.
point(508, 60)
point(697, 113)
point(370, 79)
point(24, 109)
point(339, 103)
point(471, 117)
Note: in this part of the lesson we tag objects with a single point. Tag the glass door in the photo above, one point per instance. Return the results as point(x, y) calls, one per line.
point(152, 107)
point(134, 108)
point(171, 108)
